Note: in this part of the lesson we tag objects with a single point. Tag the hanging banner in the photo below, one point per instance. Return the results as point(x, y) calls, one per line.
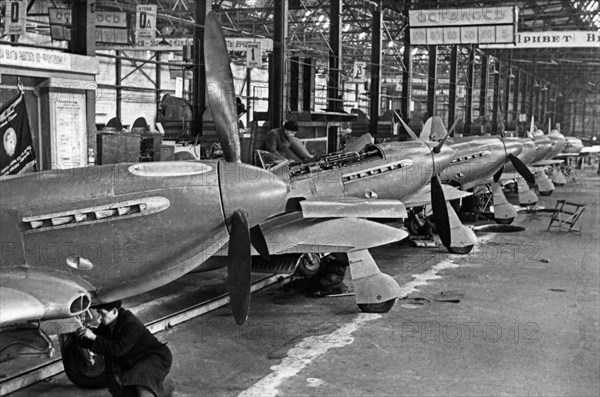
point(359, 72)
point(16, 153)
point(552, 39)
point(145, 24)
point(253, 55)
point(15, 17)
point(463, 25)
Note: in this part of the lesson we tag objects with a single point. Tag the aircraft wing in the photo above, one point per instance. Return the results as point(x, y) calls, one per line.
point(27, 295)
point(352, 207)
point(545, 163)
point(423, 196)
point(293, 233)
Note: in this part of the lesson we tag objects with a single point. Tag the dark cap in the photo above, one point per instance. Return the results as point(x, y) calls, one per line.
point(108, 306)
point(291, 125)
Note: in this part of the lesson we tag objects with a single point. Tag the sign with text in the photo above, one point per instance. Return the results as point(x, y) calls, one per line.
point(463, 26)
point(359, 72)
point(145, 23)
point(15, 17)
point(34, 58)
point(111, 26)
point(554, 39)
point(253, 55)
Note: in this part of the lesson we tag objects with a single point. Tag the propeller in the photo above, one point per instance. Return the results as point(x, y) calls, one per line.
point(239, 266)
point(220, 90)
point(221, 100)
point(522, 168)
point(440, 211)
point(407, 128)
point(438, 199)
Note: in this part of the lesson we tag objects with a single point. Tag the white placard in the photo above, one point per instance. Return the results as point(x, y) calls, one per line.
point(179, 86)
point(451, 35)
point(34, 58)
point(468, 35)
point(253, 54)
point(145, 23)
point(399, 83)
point(435, 36)
point(418, 36)
point(462, 16)
point(15, 18)
point(111, 19)
point(553, 39)
point(69, 130)
point(359, 72)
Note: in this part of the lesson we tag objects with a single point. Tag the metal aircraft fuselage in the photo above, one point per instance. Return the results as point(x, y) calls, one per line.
point(544, 147)
point(558, 144)
point(527, 154)
point(573, 146)
point(477, 159)
point(392, 170)
point(71, 237)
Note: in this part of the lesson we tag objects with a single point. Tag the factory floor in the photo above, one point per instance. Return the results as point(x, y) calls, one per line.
point(518, 316)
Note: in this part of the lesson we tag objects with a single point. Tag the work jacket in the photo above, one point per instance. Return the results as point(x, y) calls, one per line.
point(139, 357)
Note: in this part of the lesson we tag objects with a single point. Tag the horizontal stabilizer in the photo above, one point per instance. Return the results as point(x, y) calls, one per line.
point(423, 196)
point(350, 207)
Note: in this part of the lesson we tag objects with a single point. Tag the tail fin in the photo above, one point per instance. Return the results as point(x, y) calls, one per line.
point(433, 130)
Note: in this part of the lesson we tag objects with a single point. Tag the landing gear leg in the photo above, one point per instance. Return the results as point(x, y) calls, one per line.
point(375, 292)
point(504, 212)
point(462, 238)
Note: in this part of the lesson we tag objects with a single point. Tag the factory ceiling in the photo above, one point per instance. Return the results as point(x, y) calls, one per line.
point(569, 69)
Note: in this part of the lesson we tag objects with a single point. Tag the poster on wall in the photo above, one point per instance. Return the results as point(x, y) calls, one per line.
point(69, 130)
point(17, 153)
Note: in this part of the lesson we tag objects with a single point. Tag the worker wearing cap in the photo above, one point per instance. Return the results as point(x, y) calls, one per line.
point(282, 140)
point(136, 362)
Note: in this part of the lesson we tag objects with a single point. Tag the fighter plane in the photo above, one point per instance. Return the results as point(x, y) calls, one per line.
point(74, 238)
point(479, 161)
point(407, 171)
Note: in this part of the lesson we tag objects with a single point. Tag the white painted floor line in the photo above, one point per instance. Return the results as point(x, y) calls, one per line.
point(431, 274)
point(304, 353)
point(309, 349)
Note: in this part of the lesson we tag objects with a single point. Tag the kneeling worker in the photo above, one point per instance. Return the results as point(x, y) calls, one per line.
point(280, 140)
point(136, 362)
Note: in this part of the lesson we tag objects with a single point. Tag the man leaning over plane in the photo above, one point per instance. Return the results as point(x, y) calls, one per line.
point(281, 140)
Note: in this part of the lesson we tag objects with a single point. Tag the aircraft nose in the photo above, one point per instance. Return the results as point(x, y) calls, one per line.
point(513, 147)
point(259, 192)
point(443, 159)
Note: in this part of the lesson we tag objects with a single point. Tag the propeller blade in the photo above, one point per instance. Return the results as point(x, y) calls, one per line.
point(408, 129)
point(498, 174)
point(453, 127)
point(220, 90)
point(239, 266)
point(522, 169)
point(440, 211)
point(259, 243)
point(438, 147)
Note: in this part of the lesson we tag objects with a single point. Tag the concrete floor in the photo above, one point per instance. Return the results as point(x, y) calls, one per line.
point(526, 323)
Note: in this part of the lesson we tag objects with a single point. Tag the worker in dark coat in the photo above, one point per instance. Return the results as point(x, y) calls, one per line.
point(281, 140)
point(136, 362)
